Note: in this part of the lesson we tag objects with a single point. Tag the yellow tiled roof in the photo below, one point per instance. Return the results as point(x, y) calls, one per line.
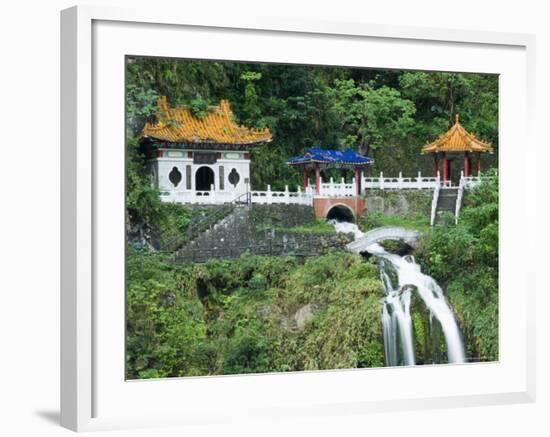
point(217, 126)
point(457, 139)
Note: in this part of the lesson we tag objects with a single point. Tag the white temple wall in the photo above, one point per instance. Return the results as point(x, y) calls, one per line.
point(161, 167)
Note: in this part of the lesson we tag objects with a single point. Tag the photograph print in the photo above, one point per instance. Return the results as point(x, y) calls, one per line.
point(286, 218)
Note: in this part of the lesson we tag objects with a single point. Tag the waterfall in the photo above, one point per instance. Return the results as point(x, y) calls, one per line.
point(401, 276)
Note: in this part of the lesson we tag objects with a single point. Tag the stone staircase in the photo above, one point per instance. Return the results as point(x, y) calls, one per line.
point(446, 203)
point(243, 230)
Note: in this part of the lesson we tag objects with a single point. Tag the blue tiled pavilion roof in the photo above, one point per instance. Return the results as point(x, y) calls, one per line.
point(328, 156)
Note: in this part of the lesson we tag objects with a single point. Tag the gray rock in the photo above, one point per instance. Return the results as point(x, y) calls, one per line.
point(304, 315)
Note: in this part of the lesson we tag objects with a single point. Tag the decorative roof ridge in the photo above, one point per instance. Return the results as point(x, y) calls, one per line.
point(179, 124)
point(465, 141)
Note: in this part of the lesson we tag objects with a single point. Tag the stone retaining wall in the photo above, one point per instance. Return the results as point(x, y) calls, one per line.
point(260, 229)
point(403, 203)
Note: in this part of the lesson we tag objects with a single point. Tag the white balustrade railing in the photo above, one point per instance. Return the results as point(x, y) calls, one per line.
point(435, 198)
point(339, 189)
point(287, 197)
point(399, 183)
point(326, 189)
point(460, 193)
point(218, 197)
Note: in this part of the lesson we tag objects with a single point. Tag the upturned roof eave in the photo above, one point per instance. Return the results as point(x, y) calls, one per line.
point(425, 151)
point(203, 141)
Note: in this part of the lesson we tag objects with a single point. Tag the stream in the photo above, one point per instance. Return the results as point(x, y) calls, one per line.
point(401, 277)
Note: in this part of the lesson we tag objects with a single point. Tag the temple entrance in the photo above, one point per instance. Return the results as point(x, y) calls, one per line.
point(204, 179)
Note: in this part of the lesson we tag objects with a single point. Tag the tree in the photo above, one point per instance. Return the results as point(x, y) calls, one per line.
point(372, 117)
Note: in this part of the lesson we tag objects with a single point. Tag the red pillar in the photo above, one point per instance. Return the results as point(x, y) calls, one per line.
point(305, 178)
point(317, 178)
point(357, 188)
point(478, 163)
point(445, 167)
point(449, 169)
point(466, 164)
point(435, 165)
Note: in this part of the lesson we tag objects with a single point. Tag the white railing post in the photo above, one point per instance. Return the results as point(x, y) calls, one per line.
point(459, 198)
point(381, 180)
point(400, 180)
point(212, 194)
point(434, 204)
point(268, 195)
point(287, 195)
point(419, 179)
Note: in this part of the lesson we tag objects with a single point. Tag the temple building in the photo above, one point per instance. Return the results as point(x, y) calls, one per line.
point(315, 159)
point(191, 157)
point(456, 144)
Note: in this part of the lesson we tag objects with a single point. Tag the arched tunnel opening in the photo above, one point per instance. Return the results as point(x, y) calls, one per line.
point(341, 213)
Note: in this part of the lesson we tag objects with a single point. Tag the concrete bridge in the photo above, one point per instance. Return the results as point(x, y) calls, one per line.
point(403, 235)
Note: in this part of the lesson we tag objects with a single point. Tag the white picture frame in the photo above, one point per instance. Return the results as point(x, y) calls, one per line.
point(92, 386)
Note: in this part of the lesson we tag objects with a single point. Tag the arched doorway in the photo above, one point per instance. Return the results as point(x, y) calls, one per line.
point(204, 178)
point(341, 213)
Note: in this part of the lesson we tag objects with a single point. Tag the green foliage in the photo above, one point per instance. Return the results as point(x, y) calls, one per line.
point(318, 226)
point(373, 117)
point(198, 107)
point(246, 320)
point(464, 258)
point(141, 105)
point(143, 204)
point(164, 324)
point(378, 219)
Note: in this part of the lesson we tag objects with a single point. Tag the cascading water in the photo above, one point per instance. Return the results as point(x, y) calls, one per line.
point(401, 275)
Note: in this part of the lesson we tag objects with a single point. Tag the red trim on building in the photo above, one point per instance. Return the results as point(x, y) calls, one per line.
point(189, 154)
point(160, 153)
point(246, 155)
